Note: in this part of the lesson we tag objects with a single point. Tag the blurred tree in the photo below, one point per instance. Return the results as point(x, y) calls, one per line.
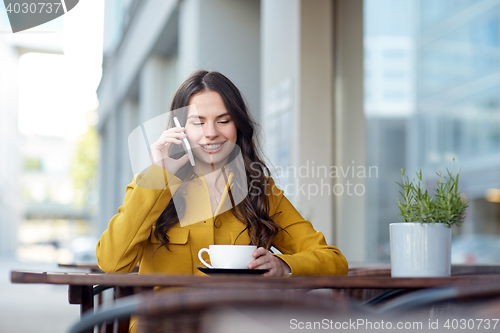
point(32, 164)
point(84, 167)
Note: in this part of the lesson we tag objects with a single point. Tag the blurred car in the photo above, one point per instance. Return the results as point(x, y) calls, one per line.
point(475, 249)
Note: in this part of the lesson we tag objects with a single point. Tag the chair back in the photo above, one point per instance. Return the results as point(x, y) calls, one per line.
point(201, 310)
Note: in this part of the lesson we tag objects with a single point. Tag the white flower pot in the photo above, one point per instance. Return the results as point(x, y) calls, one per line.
point(420, 249)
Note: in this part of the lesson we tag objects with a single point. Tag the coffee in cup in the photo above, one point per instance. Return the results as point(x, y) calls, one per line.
point(228, 256)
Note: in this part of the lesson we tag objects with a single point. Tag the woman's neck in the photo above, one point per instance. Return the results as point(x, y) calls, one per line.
point(205, 169)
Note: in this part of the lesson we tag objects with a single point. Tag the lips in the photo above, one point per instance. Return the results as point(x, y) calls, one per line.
point(212, 148)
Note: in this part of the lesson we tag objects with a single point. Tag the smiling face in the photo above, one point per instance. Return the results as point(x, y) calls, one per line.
point(210, 129)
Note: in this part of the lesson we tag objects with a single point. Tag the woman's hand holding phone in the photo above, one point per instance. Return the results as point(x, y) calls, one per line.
point(159, 150)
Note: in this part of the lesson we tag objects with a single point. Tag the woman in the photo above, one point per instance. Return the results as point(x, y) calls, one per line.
point(174, 209)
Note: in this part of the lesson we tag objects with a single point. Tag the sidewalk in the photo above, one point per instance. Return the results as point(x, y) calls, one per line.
point(26, 308)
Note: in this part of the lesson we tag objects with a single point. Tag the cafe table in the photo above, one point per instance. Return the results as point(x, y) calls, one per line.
point(81, 285)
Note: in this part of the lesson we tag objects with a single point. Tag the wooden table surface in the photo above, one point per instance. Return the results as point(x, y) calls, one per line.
point(246, 281)
point(90, 266)
point(364, 279)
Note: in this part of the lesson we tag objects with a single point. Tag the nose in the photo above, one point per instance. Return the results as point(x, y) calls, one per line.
point(210, 131)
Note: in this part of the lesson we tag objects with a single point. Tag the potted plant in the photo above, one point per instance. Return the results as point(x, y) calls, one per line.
point(421, 243)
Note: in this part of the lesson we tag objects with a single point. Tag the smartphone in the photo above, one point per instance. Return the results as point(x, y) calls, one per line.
point(185, 143)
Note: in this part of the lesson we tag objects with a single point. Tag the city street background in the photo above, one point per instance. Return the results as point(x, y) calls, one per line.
point(30, 308)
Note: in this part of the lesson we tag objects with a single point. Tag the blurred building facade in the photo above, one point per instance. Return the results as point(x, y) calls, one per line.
point(390, 75)
point(432, 94)
point(298, 63)
point(10, 205)
point(37, 215)
point(388, 84)
point(53, 227)
point(459, 100)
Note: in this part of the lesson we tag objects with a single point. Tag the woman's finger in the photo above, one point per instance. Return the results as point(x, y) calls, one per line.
point(165, 139)
point(173, 132)
point(262, 258)
point(168, 138)
point(268, 261)
point(259, 252)
point(259, 263)
point(162, 146)
point(175, 129)
point(273, 270)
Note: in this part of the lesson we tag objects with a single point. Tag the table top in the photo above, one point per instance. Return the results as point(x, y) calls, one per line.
point(456, 270)
point(250, 281)
point(91, 266)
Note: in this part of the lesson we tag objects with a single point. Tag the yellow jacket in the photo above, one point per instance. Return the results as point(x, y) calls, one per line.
point(130, 238)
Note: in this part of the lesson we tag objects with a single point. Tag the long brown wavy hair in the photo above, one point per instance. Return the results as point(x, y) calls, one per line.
point(253, 211)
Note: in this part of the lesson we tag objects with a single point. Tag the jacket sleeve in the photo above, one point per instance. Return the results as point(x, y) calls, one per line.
point(303, 248)
point(121, 245)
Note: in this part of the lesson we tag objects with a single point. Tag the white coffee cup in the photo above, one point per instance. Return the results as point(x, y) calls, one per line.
point(228, 256)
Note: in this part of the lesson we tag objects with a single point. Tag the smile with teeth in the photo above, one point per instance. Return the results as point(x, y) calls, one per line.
point(212, 148)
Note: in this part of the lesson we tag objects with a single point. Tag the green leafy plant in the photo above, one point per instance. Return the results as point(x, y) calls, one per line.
point(447, 205)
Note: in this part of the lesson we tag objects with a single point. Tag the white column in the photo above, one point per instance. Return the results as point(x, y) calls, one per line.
point(297, 88)
point(152, 89)
point(280, 89)
point(107, 172)
point(189, 38)
point(170, 80)
point(102, 216)
point(349, 133)
point(316, 111)
point(10, 157)
point(222, 35)
point(130, 120)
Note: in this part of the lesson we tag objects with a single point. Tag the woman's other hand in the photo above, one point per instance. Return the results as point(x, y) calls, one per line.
point(159, 150)
point(265, 260)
